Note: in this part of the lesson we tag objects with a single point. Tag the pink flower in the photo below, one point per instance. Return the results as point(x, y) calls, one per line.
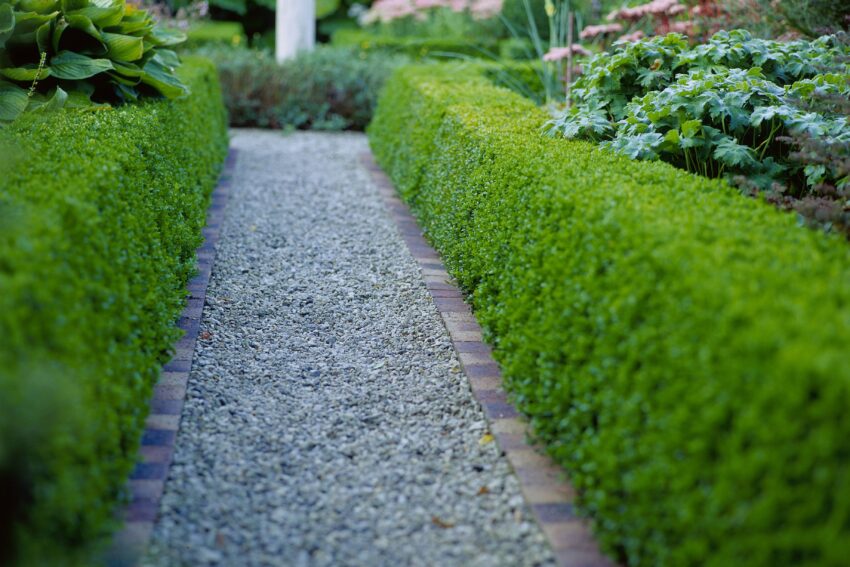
point(559, 53)
point(682, 27)
point(654, 8)
point(426, 4)
point(602, 29)
point(630, 37)
point(483, 9)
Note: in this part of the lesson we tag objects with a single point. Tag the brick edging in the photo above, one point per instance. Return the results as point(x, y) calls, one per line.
point(549, 494)
point(147, 481)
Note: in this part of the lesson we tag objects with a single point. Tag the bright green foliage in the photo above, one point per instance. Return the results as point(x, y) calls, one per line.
point(720, 108)
point(209, 32)
point(611, 80)
point(729, 121)
point(80, 51)
point(681, 349)
point(100, 215)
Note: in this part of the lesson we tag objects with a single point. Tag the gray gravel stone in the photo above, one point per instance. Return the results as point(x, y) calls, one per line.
point(327, 421)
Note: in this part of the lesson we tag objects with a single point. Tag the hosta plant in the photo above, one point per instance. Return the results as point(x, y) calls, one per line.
point(57, 52)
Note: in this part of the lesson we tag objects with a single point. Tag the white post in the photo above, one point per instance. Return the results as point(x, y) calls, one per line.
point(296, 27)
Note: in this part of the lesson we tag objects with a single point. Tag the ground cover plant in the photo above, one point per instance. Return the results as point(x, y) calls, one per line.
point(100, 214)
point(679, 347)
point(330, 88)
point(727, 108)
point(82, 51)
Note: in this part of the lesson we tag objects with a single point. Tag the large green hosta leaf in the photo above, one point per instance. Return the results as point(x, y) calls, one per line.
point(39, 6)
point(158, 75)
point(7, 23)
point(50, 102)
point(27, 25)
point(13, 101)
point(74, 66)
point(103, 16)
point(30, 73)
point(123, 47)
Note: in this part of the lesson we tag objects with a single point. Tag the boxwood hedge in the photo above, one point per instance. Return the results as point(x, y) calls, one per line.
point(417, 47)
point(100, 214)
point(681, 349)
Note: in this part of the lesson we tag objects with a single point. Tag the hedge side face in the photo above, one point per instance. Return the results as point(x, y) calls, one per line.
point(681, 349)
point(100, 214)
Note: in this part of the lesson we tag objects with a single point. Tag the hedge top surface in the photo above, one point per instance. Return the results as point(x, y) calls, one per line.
point(682, 349)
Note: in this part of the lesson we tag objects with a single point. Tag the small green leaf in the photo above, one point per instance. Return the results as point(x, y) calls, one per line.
point(691, 128)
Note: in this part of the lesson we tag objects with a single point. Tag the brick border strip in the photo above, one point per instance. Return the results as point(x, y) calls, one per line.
point(147, 480)
point(544, 485)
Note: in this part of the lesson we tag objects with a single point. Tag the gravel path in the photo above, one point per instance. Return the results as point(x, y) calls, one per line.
point(327, 420)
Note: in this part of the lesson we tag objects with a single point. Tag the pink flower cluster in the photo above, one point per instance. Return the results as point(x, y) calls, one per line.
point(632, 37)
point(559, 53)
point(602, 29)
point(388, 10)
point(654, 8)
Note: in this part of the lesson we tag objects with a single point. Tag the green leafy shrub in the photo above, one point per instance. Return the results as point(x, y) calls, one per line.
point(91, 50)
point(208, 32)
point(729, 121)
point(611, 80)
point(680, 348)
point(725, 108)
point(100, 215)
point(329, 88)
point(416, 46)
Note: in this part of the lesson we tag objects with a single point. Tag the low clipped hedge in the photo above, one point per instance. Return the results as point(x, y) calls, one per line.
point(680, 348)
point(210, 32)
point(416, 47)
point(100, 215)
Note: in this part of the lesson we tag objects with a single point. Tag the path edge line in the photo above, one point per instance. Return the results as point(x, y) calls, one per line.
point(545, 487)
point(146, 483)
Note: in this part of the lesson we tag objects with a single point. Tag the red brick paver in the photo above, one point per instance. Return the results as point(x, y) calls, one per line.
point(147, 481)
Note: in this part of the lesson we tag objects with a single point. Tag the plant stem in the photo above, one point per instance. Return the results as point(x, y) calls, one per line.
point(569, 55)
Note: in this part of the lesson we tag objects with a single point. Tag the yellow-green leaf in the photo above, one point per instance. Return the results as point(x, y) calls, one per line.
point(123, 47)
point(13, 101)
point(24, 73)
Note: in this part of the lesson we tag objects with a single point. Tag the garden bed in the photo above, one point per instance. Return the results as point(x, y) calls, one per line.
point(101, 210)
point(681, 348)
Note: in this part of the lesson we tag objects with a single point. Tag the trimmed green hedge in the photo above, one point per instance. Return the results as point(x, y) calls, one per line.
point(681, 349)
point(329, 88)
point(211, 32)
point(100, 215)
point(417, 47)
